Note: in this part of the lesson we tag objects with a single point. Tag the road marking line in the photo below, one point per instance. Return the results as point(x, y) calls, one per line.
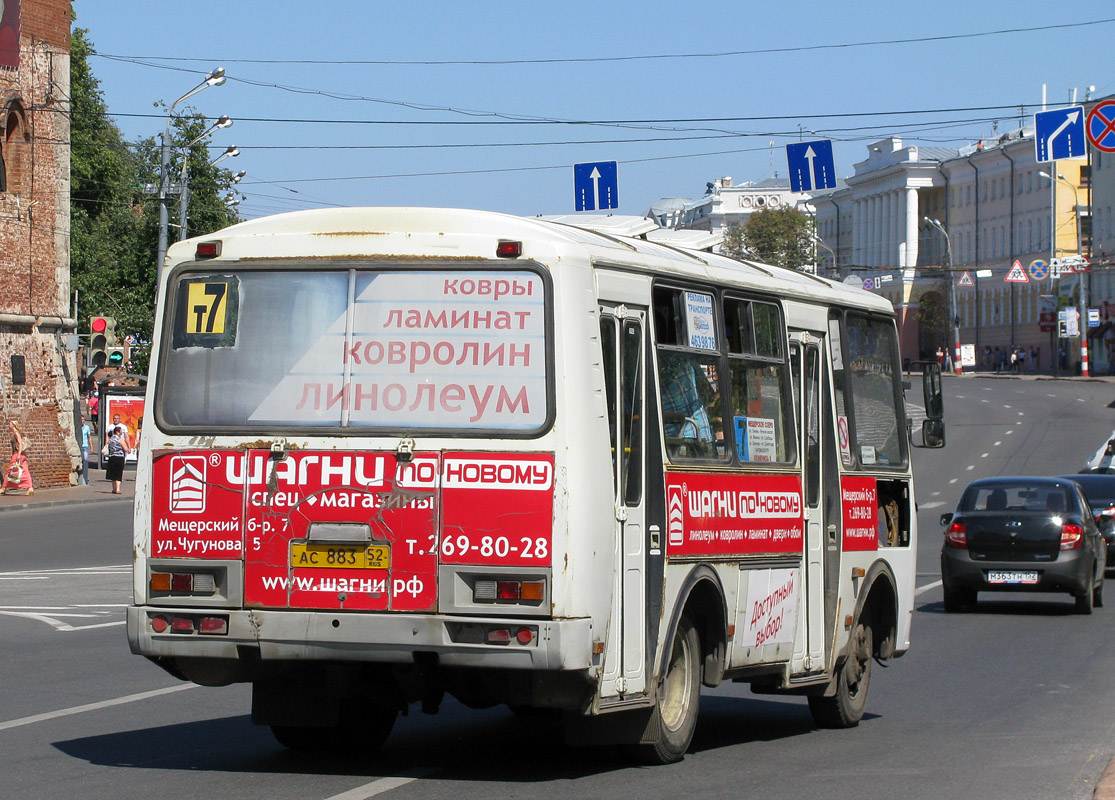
point(119, 701)
point(932, 504)
point(927, 587)
point(59, 625)
point(1009, 433)
point(1005, 405)
point(953, 480)
point(973, 466)
point(114, 569)
point(996, 444)
point(985, 455)
point(382, 785)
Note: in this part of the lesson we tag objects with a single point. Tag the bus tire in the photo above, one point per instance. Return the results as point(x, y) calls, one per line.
point(678, 700)
point(844, 709)
point(363, 728)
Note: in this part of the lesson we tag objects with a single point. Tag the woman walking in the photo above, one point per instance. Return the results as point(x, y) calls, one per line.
point(117, 450)
point(18, 474)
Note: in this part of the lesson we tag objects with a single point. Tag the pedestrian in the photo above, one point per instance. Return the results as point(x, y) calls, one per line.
point(941, 357)
point(18, 474)
point(84, 451)
point(987, 356)
point(117, 450)
point(95, 407)
point(1062, 357)
point(998, 358)
point(1033, 358)
point(948, 361)
point(1013, 359)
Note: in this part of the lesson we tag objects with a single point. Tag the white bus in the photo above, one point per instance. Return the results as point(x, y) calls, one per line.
point(396, 452)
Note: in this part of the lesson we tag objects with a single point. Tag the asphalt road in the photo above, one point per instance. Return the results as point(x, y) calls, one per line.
point(1011, 701)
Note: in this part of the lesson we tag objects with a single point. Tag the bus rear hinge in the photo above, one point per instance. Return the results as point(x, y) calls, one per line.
point(404, 452)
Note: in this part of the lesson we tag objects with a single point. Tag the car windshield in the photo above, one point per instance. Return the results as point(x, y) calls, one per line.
point(1100, 489)
point(1020, 497)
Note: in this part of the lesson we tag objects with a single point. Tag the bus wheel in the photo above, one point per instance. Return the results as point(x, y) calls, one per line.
point(845, 708)
point(679, 697)
point(363, 728)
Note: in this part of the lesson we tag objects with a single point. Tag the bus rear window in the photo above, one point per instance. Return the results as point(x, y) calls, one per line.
point(390, 349)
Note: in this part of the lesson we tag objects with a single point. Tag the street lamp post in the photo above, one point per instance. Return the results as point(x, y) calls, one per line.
point(954, 318)
point(817, 240)
point(1082, 309)
point(183, 187)
point(214, 78)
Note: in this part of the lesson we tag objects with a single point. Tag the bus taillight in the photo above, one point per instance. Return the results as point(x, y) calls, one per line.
point(505, 591)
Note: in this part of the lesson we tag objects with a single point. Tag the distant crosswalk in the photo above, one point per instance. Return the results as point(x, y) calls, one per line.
point(68, 600)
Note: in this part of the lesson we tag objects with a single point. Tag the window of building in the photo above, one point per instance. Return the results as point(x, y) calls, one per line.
point(13, 148)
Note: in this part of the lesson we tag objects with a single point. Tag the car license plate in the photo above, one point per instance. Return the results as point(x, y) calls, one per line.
point(340, 556)
point(1012, 576)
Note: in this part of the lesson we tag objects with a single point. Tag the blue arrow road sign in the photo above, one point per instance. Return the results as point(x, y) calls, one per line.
point(596, 186)
point(1060, 134)
point(811, 165)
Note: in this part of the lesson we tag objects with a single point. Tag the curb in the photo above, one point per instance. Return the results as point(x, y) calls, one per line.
point(58, 503)
point(1105, 786)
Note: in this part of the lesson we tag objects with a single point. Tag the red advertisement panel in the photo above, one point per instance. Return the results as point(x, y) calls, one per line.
point(497, 509)
point(860, 500)
point(341, 530)
point(126, 410)
point(353, 530)
point(733, 514)
point(197, 505)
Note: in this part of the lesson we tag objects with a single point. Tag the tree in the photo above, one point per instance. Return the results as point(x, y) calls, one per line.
point(933, 314)
point(780, 236)
point(114, 222)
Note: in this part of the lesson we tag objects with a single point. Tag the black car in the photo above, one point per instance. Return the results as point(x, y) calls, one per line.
point(1022, 534)
point(1100, 492)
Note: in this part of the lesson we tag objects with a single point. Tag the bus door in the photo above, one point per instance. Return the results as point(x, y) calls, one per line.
point(622, 340)
point(806, 367)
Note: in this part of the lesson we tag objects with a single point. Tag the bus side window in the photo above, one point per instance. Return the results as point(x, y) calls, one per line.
point(608, 345)
point(761, 410)
point(689, 375)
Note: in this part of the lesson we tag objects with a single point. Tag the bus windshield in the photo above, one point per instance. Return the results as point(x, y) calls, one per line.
point(359, 349)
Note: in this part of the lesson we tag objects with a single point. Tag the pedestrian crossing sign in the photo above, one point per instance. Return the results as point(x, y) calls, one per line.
point(966, 279)
point(1017, 274)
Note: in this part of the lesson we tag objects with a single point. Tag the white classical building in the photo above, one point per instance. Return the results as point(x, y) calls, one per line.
point(725, 204)
point(995, 209)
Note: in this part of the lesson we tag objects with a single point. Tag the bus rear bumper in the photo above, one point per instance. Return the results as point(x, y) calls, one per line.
point(275, 636)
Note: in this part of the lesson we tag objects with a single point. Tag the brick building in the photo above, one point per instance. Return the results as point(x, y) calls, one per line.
point(38, 375)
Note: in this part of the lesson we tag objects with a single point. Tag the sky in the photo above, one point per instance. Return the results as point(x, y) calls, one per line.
point(489, 105)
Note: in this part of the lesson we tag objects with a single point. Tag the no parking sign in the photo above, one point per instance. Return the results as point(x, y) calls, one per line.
point(1101, 126)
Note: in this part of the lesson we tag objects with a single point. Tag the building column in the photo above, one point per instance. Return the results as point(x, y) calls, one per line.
point(912, 228)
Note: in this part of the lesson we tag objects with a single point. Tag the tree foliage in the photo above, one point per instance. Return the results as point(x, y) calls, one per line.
point(780, 236)
point(933, 313)
point(114, 221)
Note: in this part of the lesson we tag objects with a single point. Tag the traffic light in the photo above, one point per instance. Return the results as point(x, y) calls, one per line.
point(116, 356)
point(102, 336)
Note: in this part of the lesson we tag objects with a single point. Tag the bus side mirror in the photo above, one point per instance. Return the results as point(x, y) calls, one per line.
point(932, 392)
point(933, 433)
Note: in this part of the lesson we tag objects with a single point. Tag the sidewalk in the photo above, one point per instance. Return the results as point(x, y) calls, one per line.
point(98, 491)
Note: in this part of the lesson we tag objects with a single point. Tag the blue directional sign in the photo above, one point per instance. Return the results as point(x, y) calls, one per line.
point(811, 165)
point(1060, 134)
point(596, 186)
